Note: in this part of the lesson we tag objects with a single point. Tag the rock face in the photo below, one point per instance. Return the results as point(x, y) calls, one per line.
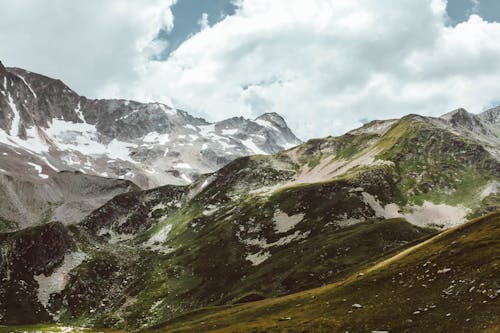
point(65, 196)
point(484, 127)
point(492, 116)
point(24, 256)
point(150, 144)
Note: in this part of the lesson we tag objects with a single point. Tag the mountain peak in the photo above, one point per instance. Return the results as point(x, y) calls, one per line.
point(2, 68)
point(276, 122)
point(457, 113)
point(463, 118)
point(273, 118)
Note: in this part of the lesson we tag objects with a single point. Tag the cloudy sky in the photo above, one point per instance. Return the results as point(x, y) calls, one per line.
point(326, 65)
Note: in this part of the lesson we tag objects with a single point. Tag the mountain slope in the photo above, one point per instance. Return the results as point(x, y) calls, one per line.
point(64, 196)
point(266, 226)
point(447, 283)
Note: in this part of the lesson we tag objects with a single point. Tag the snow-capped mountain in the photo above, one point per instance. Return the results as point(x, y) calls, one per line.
point(48, 128)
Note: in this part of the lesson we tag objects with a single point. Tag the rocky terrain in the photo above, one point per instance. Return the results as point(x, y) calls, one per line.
point(50, 135)
point(375, 216)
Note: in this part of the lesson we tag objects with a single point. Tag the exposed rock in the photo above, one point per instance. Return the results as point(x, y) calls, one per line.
point(151, 144)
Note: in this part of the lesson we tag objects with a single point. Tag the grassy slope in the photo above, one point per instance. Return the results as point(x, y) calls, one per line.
point(48, 328)
point(208, 266)
point(437, 165)
point(408, 293)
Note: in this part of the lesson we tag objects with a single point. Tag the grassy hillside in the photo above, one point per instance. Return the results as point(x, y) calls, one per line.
point(268, 226)
point(449, 283)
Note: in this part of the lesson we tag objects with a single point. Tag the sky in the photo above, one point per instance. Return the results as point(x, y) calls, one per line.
point(327, 66)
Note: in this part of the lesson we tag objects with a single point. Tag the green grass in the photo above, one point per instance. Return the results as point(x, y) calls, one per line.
point(50, 328)
point(6, 225)
point(464, 299)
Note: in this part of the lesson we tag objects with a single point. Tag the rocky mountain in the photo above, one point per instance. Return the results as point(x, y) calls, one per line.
point(54, 143)
point(150, 144)
point(484, 127)
point(66, 196)
point(264, 226)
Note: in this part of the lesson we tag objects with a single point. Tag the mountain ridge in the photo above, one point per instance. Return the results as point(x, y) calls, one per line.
point(46, 128)
point(125, 137)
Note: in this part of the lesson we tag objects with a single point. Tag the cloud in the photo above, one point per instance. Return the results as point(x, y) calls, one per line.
point(475, 6)
point(203, 21)
point(326, 65)
point(89, 44)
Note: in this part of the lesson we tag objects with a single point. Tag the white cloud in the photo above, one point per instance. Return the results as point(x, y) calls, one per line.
point(203, 21)
point(88, 44)
point(327, 64)
point(323, 64)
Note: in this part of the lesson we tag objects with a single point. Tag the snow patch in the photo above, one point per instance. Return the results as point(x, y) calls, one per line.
point(155, 242)
point(167, 110)
point(210, 210)
point(284, 223)
point(155, 137)
point(182, 165)
point(14, 128)
point(253, 147)
point(429, 214)
point(186, 178)
point(263, 244)
point(258, 258)
point(38, 168)
point(55, 283)
point(437, 214)
point(491, 188)
point(27, 85)
point(229, 131)
point(265, 123)
point(389, 211)
point(79, 112)
point(160, 236)
point(84, 138)
point(43, 158)
point(207, 130)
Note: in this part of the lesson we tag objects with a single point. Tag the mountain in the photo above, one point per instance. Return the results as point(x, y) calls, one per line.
point(53, 143)
point(484, 127)
point(448, 283)
point(266, 226)
point(66, 196)
point(150, 144)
